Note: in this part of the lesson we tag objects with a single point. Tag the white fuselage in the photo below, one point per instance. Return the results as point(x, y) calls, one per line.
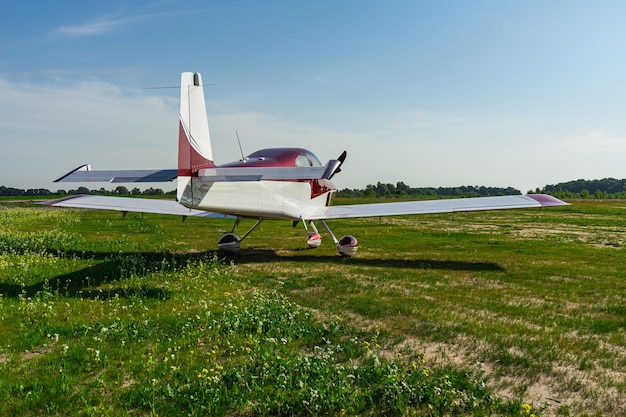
point(291, 200)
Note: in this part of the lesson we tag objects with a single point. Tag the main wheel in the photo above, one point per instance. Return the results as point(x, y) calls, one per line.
point(229, 243)
point(347, 246)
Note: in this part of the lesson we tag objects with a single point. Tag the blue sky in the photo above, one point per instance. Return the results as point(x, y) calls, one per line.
point(432, 93)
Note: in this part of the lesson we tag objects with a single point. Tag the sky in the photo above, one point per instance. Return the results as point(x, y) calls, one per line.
point(432, 93)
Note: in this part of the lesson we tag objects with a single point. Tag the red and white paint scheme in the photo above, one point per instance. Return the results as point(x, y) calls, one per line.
point(278, 183)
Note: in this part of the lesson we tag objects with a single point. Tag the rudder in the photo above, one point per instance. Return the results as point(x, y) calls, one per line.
point(194, 140)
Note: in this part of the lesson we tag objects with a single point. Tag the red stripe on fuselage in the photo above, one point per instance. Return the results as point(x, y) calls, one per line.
point(320, 187)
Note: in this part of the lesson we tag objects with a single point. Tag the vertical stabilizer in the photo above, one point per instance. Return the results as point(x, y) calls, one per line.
point(194, 141)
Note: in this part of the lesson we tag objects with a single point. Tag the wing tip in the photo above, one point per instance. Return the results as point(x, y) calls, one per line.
point(62, 199)
point(546, 200)
point(84, 167)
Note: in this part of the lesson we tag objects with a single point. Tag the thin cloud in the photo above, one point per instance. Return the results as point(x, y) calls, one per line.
point(109, 23)
point(97, 27)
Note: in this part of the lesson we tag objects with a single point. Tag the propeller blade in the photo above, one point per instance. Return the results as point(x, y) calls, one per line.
point(341, 158)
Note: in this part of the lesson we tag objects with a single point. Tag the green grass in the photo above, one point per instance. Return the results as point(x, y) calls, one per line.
point(465, 314)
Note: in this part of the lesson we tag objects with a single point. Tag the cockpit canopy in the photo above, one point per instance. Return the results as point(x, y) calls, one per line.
point(307, 159)
point(279, 157)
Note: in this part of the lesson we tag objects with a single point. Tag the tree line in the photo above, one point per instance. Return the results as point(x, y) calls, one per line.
point(401, 190)
point(606, 188)
point(44, 192)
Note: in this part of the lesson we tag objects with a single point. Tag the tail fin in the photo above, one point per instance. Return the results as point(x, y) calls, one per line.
point(194, 141)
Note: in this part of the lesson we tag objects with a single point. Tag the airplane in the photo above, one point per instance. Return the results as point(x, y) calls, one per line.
point(269, 184)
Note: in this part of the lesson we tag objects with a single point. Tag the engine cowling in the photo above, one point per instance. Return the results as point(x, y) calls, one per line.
point(229, 242)
point(348, 246)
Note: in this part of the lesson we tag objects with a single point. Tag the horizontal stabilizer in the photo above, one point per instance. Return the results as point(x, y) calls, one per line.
point(435, 206)
point(264, 173)
point(124, 204)
point(85, 174)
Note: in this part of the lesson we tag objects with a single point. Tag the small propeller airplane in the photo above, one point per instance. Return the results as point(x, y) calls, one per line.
point(277, 183)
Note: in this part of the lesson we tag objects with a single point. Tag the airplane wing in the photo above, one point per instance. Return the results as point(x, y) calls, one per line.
point(84, 173)
point(435, 206)
point(125, 204)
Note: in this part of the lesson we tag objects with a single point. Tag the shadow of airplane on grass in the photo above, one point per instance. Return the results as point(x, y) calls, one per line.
point(248, 256)
point(112, 266)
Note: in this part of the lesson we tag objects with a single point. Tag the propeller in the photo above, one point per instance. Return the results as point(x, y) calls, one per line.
point(334, 166)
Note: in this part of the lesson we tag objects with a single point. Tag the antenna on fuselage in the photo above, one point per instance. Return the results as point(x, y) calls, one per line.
point(243, 157)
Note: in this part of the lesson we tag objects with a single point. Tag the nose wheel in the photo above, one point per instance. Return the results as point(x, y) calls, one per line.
point(313, 239)
point(346, 245)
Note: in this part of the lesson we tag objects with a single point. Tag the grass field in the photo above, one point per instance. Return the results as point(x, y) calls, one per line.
point(496, 313)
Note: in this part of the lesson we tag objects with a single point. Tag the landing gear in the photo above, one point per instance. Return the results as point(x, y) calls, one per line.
point(314, 239)
point(347, 245)
point(230, 242)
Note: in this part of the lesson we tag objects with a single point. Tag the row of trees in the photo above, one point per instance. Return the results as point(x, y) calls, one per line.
point(400, 189)
point(43, 192)
point(606, 188)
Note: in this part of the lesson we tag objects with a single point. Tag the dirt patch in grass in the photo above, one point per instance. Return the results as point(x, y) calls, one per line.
point(565, 388)
point(27, 355)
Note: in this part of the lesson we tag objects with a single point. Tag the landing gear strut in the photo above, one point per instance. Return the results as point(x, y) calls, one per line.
point(347, 245)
